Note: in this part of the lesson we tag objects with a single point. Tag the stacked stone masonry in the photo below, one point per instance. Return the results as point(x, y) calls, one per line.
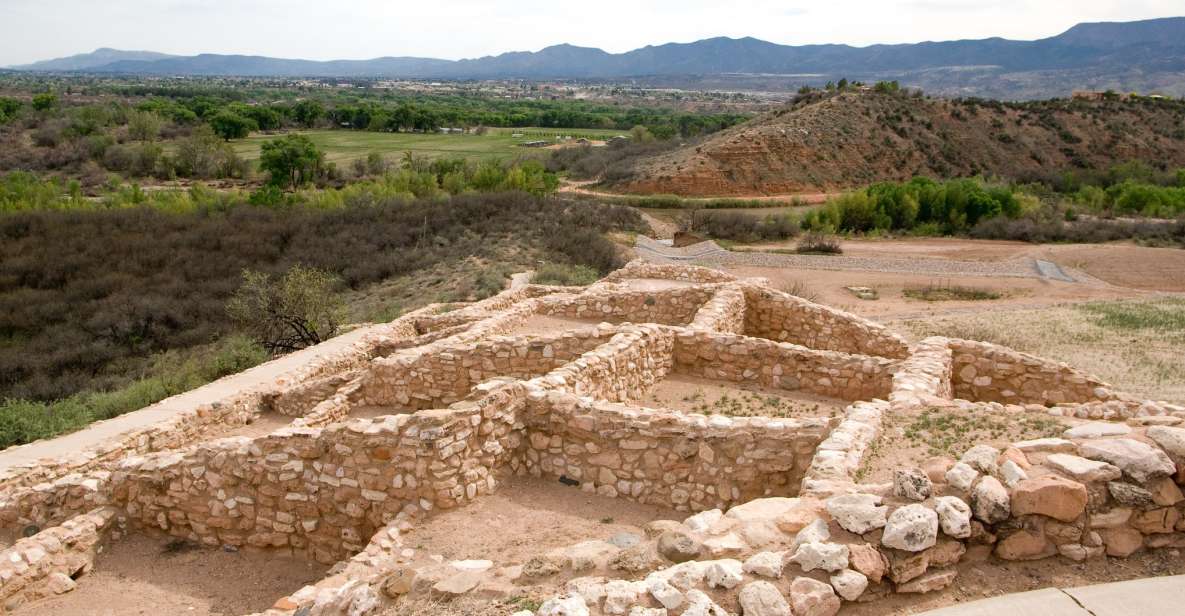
point(464, 402)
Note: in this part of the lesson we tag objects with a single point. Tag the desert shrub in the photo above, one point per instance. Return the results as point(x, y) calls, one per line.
point(740, 226)
point(298, 310)
point(818, 243)
point(565, 275)
point(85, 291)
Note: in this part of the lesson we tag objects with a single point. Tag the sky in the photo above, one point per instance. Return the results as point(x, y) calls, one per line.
point(32, 30)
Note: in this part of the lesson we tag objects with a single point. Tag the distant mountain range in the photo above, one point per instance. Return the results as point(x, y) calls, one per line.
point(1140, 55)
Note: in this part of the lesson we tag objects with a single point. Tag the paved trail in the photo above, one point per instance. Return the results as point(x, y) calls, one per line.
point(1147, 597)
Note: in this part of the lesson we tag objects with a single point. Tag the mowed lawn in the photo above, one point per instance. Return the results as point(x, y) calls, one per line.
point(342, 146)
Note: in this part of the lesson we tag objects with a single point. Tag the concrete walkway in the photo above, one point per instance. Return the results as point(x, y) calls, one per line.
point(98, 432)
point(1162, 596)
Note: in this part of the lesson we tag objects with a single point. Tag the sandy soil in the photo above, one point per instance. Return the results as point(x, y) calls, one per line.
point(527, 517)
point(263, 425)
point(911, 437)
point(696, 395)
point(654, 284)
point(829, 287)
point(137, 575)
point(538, 324)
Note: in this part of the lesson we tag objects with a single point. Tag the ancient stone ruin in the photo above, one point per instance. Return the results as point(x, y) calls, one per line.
point(434, 410)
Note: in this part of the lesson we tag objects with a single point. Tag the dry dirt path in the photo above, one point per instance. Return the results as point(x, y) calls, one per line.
point(582, 188)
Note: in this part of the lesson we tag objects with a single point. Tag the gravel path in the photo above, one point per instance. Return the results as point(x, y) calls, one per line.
point(711, 255)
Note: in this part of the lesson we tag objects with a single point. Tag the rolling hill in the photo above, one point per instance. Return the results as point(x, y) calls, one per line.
point(1141, 55)
point(828, 141)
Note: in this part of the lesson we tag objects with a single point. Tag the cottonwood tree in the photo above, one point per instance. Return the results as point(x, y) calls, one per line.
point(144, 126)
point(295, 311)
point(230, 125)
point(292, 160)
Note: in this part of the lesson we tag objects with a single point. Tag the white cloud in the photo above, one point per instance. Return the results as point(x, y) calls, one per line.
point(39, 29)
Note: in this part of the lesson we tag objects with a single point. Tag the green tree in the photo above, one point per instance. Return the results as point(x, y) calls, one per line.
point(300, 309)
point(8, 108)
point(230, 125)
point(292, 160)
point(45, 101)
point(641, 134)
point(306, 113)
point(144, 126)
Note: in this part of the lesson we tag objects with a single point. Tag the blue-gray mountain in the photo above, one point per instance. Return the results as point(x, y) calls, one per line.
point(1141, 55)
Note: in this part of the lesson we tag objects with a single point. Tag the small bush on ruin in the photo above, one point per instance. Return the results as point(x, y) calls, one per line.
point(564, 275)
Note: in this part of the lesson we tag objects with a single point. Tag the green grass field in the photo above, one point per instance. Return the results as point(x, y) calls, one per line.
point(342, 146)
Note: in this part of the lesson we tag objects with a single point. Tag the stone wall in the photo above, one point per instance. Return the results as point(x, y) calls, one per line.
point(47, 563)
point(925, 376)
point(416, 381)
point(668, 306)
point(684, 273)
point(323, 492)
point(629, 363)
point(684, 461)
point(725, 312)
point(740, 359)
point(786, 318)
point(986, 372)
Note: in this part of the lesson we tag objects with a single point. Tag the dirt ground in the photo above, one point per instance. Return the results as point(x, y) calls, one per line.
point(830, 287)
point(263, 425)
point(539, 324)
point(527, 517)
point(909, 438)
point(695, 395)
point(139, 575)
point(1121, 264)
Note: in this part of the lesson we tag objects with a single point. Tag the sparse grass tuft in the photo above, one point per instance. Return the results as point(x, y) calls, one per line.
point(564, 275)
point(948, 293)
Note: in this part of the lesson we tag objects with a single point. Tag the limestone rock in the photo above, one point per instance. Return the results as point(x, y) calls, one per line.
point(912, 528)
point(1130, 494)
point(703, 520)
point(1122, 541)
point(1050, 496)
point(825, 556)
point(936, 468)
point(989, 501)
point(954, 516)
point(1172, 440)
point(858, 513)
point(459, 583)
point(678, 546)
point(934, 580)
point(849, 584)
point(982, 458)
point(1081, 469)
point(868, 560)
point(399, 582)
point(1137, 460)
point(762, 599)
point(1097, 429)
point(1025, 544)
point(726, 573)
point(591, 589)
point(813, 598)
point(637, 559)
point(961, 476)
point(765, 564)
point(1165, 491)
point(700, 604)
point(726, 545)
point(912, 483)
point(664, 592)
point(1012, 473)
point(620, 595)
point(815, 532)
point(563, 606)
point(59, 583)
